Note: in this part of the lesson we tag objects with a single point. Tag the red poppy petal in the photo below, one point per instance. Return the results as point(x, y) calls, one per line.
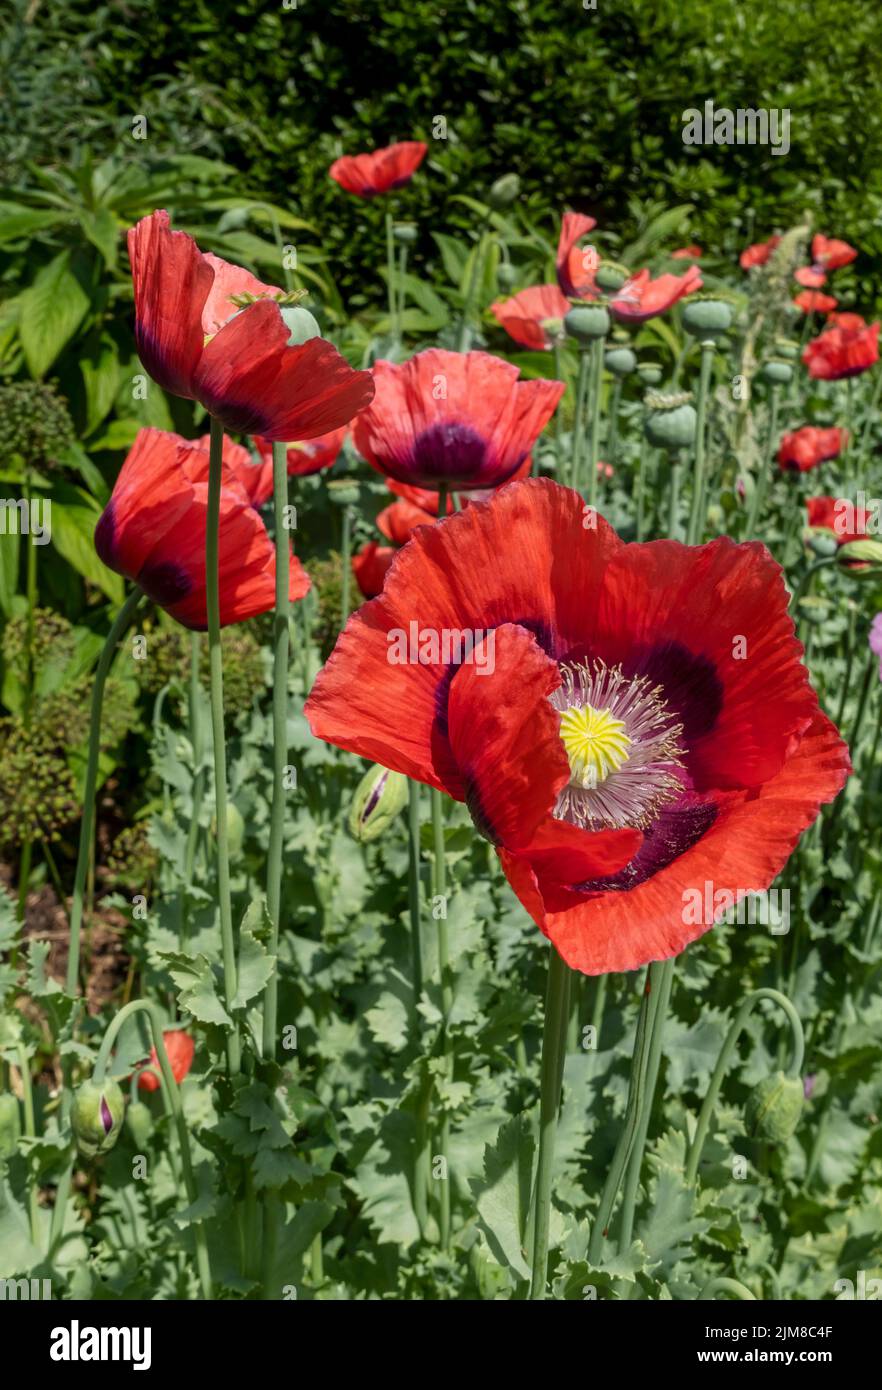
point(172, 281)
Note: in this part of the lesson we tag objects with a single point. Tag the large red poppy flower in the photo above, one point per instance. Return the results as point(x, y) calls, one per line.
point(459, 419)
point(370, 567)
point(642, 298)
point(846, 521)
point(153, 532)
point(211, 332)
point(533, 317)
point(381, 170)
point(576, 264)
point(813, 302)
point(807, 447)
point(758, 254)
point(180, 1048)
point(842, 351)
point(630, 726)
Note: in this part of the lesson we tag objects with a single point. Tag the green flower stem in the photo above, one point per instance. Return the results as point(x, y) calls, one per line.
point(727, 1051)
point(640, 499)
point(613, 440)
point(439, 890)
point(724, 1285)
point(390, 274)
point(678, 365)
point(577, 447)
point(762, 481)
point(280, 738)
point(594, 432)
point(558, 415)
point(674, 497)
point(197, 743)
point(465, 328)
point(413, 890)
point(346, 565)
point(30, 1129)
point(636, 1090)
point(803, 583)
point(553, 1054)
point(234, 1053)
point(661, 978)
point(399, 310)
point(174, 1095)
point(696, 515)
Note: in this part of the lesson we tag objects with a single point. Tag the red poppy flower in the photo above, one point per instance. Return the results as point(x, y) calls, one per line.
point(687, 253)
point(846, 320)
point(457, 418)
point(153, 532)
point(398, 521)
point(533, 317)
point(211, 332)
point(180, 1048)
point(829, 254)
point(839, 515)
point(758, 254)
point(812, 277)
point(381, 170)
point(371, 565)
point(842, 351)
point(575, 264)
point(599, 725)
point(812, 302)
point(806, 448)
point(641, 298)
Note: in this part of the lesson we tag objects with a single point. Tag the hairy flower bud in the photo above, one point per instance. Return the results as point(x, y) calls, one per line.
point(139, 1122)
point(504, 192)
point(96, 1116)
point(506, 275)
point(379, 798)
point(774, 1107)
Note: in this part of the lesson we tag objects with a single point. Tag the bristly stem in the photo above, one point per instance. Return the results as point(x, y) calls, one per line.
point(280, 737)
point(216, 667)
point(553, 1056)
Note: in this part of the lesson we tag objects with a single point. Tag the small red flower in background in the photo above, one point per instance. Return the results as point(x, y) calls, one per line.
point(641, 297)
point(758, 254)
point(842, 351)
point(381, 171)
point(304, 457)
point(807, 447)
point(371, 565)
point(211, 332)
point(810, 276)
point(457, 419)
point(576, 264)
point(839, 515)
point(845, 319)
point(153, 532)
point(687, 253)
point(829, 254)
point(533, 317)
point(180, 1048)
point(601, 732)
point(812, 302)
point(398, 521)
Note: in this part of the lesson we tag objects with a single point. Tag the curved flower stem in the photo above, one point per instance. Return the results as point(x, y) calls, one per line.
point(280, 738)
point(439, 891)
point(174, 1097)
point(594, 432)
point(804, 581)
point(553, 1055)
point(762, 482)
point(212, 595)
point(696, 515)
point(661, 978)
point(725, 1057)
point(723, 1285)
point(636, 1089)
point(577, 447)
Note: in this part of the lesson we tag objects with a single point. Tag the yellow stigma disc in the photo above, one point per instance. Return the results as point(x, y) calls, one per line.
point(596, 743)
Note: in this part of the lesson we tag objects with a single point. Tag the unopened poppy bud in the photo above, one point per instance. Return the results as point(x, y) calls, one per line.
point(506, 275)
point(235, 828)
point(379, 798)
point(610, 276)
point(587, 321)
point(707, 317)
point(778, 372)
point(405, 232)
point(864, 556)
point(139, 1123)
point(96, 1116)
point(670, 420)
point(10, 1124)
point(621, 361)
point(774, 1108)
point(300, 324)
point(649, 372)
point(504, 192)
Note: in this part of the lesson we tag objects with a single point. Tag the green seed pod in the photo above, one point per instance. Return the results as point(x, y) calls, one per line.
point(621, 361)
point(786, 349)
point(506, 275)
point(670, 420)
point(504, 192)
point(649, 372)
point(343, 491)
point(379, 798)
point(139, 1122)
point(405, 232)
point(587, 321)
point(300, 324)
point(778, 372)
point(610, 276)
point(96, 1116)
point(774, 1107)
point(707, 318)
point(10, 1124)
point(823, 544)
